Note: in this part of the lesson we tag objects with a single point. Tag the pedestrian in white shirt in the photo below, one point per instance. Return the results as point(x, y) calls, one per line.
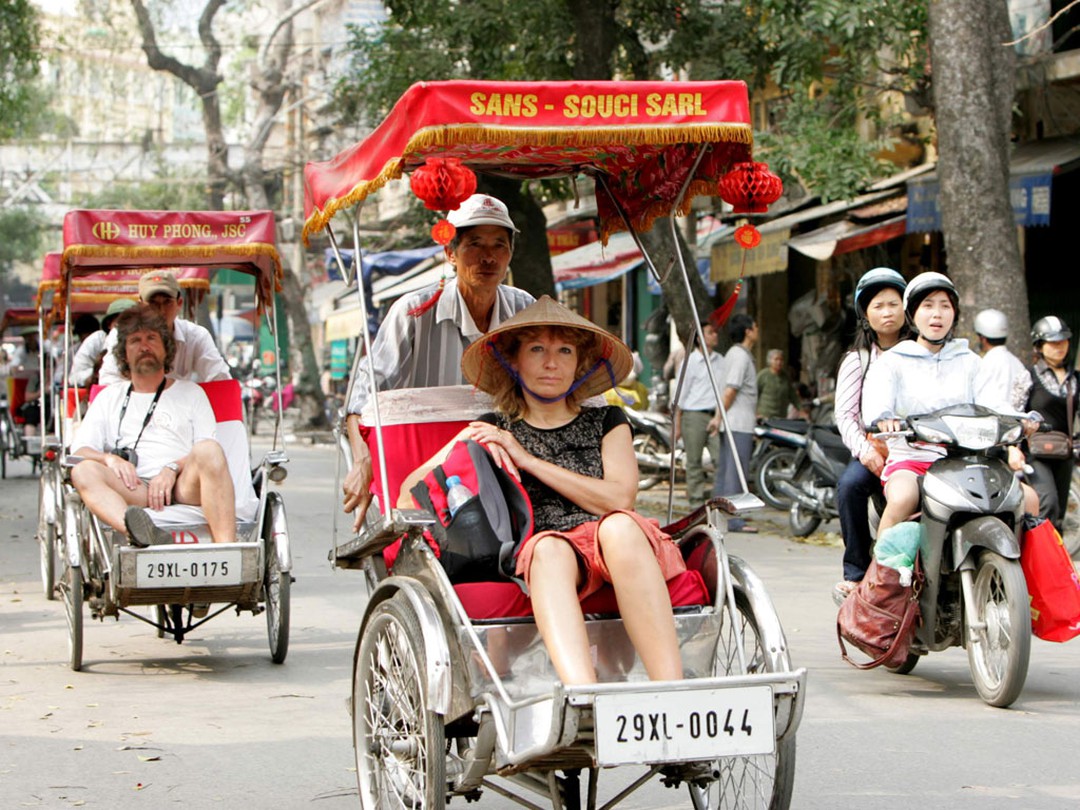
point(1001, 368)
point(695, 408)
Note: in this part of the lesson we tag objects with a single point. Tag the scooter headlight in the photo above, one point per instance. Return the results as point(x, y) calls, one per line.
point(974, 433)
point(925, 433)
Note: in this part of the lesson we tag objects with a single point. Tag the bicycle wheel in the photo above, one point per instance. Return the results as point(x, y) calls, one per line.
point(759, 782)
point(276, 587)
point(1070, 521)
point(72, 587)
point(400, 743)
point(46, 536)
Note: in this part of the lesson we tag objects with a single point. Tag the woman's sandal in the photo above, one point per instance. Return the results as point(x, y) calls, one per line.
point(843, 590)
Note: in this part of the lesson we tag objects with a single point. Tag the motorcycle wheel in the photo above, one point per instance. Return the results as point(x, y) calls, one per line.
point(998, 653)
point(776, 464)
point(803, 522)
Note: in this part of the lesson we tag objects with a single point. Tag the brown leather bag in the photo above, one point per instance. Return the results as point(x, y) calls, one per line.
point(880, 616)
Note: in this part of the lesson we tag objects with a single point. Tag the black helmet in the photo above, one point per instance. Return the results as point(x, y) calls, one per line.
point(873, 282)
point(1049, 330)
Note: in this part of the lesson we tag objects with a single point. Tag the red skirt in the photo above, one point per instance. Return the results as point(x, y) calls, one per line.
point(583, 540)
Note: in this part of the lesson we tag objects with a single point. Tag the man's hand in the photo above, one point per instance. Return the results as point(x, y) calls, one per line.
point(356, 488)
point(123, 469)
point(160, 489)
point(1016, 459)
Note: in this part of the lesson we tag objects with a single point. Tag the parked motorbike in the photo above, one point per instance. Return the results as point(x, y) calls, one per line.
point(814, 479)
point(652, 446)
point(777, 446)
point(975, 595)
point(259, 391)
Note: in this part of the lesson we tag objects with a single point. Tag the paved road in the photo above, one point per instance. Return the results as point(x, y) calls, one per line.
point(213, 723)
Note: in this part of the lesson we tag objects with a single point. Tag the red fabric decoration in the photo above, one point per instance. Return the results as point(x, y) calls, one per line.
point(443, 231)
point(747, 236)
point(719, 316)
point(443, 184)
point(750, 188)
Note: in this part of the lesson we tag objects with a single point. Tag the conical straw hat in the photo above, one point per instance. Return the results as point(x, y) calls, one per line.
point(483, 370)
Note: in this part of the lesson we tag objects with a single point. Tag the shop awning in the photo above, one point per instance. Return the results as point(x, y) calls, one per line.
point(1032, 168)
point(846, 236)
point(594, 263)
point(408, 282)
point(343, 324)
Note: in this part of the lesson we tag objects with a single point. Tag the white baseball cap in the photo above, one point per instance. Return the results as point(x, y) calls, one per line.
point(481, 209)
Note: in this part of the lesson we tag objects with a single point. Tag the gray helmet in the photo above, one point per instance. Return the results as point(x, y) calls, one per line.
point(924, 284)
point(992, 324)
point(1049, 330)
point(873, 282)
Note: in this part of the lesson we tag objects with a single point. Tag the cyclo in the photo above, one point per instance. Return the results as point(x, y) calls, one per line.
point(446, 697)
point(253, 574)
point(14, 442)
point(91, 293)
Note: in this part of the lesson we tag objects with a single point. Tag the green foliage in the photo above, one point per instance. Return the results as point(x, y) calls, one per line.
point(19, 35)
point(826, 62)
point(21, 236)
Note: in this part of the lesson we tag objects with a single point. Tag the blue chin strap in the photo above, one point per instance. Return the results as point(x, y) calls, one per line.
point(603, 362)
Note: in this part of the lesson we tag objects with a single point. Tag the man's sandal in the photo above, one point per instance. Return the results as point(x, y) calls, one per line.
point(141, 529)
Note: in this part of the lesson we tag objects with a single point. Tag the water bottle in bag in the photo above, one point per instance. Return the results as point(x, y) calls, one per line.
point(457, 494)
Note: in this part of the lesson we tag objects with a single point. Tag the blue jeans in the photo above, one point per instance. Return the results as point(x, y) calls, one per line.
point(726, 482)
point(856, 485)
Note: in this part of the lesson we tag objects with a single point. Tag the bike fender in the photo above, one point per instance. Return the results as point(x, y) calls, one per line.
point(439, 680)
point(985, 532)
point(276, 509)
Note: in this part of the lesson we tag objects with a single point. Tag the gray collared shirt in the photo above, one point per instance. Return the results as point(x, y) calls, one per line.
point(425, 351)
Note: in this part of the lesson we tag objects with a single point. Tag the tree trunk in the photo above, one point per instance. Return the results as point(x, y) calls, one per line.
point(661, 247)
point(594, 39)
point(531, 265)
point(269, 88)
point(973, 81)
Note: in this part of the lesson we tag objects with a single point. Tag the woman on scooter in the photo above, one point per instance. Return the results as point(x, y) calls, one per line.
point(1053, 386)
point(880, 308)
point(920, 376)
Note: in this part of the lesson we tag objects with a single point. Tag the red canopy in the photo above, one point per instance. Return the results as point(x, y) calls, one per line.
point(642, 136)
point(94, 291)
point(122, 245)
point(18, 316)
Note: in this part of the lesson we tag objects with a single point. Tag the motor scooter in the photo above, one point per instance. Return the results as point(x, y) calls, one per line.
point(778, 443)
point(814, 479)
point(974, 594)
point(652, 446)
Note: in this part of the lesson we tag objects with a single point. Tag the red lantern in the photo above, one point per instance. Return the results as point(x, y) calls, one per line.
point(443, 231)
point(750, 188)
point(747, 236)
point(443, 183)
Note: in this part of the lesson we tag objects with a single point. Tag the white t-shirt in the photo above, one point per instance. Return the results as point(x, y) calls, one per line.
point(182, 417)
point(742, 376)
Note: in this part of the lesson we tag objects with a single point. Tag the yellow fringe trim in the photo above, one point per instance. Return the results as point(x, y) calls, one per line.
point(466, 134)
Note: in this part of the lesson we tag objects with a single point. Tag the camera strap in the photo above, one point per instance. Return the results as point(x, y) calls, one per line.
point(149, 412)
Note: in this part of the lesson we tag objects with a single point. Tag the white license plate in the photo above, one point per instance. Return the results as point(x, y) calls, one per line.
point(183, 569)
point(684, 725)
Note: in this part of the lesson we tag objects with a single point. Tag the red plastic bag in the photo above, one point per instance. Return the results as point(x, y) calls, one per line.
point(1052, 582)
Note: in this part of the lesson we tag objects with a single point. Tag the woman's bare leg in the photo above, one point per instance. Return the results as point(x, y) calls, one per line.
point(553, 577)
point(902, 496)
point(642, 594)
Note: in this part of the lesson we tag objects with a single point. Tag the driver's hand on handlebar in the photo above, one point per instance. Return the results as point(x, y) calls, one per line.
point(889, 425)
point(1030, 427)
point(1016, 459)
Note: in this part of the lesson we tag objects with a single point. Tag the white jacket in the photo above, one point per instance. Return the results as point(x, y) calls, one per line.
point(910, 380)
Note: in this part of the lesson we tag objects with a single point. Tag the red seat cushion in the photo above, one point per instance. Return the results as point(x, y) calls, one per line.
point(500, 600)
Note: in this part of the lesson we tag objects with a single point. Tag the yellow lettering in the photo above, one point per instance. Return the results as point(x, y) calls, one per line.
point(652, 104)
point(476, 106)
point(528, 106)
point(588, 106)
point(670, 105)
point(698, 109)
point(623, 105)
point(570, 107)
point(494, 105)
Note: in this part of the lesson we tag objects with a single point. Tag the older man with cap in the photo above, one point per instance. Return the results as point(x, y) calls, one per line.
point(425, 334)
point(197, 358)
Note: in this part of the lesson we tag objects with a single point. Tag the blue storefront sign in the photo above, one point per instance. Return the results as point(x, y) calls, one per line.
point(1029, 194)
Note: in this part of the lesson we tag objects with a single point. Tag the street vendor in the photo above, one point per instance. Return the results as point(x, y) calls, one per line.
point(151, 441)
point(197, 357)
point(421, 342)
